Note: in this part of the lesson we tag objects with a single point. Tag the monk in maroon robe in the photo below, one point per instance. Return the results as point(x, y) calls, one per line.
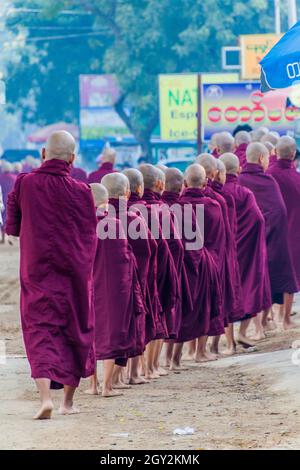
point(235, 311)
point(229, 267)
point(251, 248)
point(200, 281)
point(270, 201)
point(55, 219)
point(7, 181)
point(214, 242)
point(168, 248)
point(107, 159)
point(288, 179)
point(242, 140)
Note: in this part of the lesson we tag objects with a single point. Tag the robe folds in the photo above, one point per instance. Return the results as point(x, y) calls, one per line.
point(169, 252)
point(272, 206)
point(143, 247)
point(79, 174)
point(235, 310)
point(204, 270)
point(7, 181)
point(251, 249)
point(54, 217)
point(240, 152)
point(288, 179)
point(119, 303)
point(104, 169)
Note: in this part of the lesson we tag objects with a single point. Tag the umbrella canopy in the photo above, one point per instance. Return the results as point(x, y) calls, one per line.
point(280, 68)
point(41, 135)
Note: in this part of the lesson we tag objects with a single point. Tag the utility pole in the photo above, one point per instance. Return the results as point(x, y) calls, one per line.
point(292, 12)
point(277, 16)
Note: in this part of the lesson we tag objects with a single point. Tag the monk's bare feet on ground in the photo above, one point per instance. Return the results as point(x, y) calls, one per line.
point(92, 391)
point(270, 326)
point(188, 357)
point(68, 409)
point(244, 341)
point(138, 381)
point(45, 411)
point(162, 372)
point(258, 337)
point(121, 386)
point(206, 357)
point(289, 325)
point(152, 375)
point(176, 367)
point(229, 352)
point(111, 394)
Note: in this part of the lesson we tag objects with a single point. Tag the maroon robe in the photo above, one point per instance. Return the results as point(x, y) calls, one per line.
point(271, 204)
point(273, 160)
point(215, 153)
point(118, 299)
point(55, 218)
point(251, 249)
point(214, 242)
point(104, 169)
point(201, 295)
point(7, 181)
point(240, 152)
point(79, 174)
point(235, 311)
point(167, 279)
point(288, 179)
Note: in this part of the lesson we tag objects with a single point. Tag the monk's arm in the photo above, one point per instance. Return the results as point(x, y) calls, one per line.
point(13, 222)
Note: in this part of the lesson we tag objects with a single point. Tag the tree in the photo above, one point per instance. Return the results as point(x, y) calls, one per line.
point(141, 39)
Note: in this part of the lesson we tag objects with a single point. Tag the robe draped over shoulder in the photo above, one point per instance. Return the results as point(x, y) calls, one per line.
point(55, 218)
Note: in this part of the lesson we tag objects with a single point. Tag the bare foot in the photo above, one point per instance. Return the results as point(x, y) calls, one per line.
point(111, 394)
point(244, 341)
point(162, 372)
point(188, 357)
point(270, 326)
point(151, 375)
point(258, 337)
point(92, 391)
point(138, 381)
point(177, 367)
point(229, 352)
point(121, 386)
point(68, 410)
point(45, 411)
point(289, 325)
point(206, 357)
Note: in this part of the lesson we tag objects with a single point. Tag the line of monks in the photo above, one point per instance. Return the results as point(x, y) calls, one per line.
point(88, 296)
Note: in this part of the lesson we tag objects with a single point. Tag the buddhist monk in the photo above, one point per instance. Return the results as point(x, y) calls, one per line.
point(251, 248)
point(168, 250)
point(213, 145)
point(259, 133)
point(235, 313)
point(107, 160)
point(229, 266)
point(242, 140)
point(288, 179)
point(225, 143)
point(119, 318)
point(55, 219)
point(270, 201)
point(214, 242)
point(141, 243)
point(79, 174)
point(7, 181)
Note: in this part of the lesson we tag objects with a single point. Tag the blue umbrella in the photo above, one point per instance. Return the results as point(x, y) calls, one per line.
point(280, 68)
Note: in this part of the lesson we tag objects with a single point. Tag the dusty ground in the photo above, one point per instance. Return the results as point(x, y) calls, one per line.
point(249, 401)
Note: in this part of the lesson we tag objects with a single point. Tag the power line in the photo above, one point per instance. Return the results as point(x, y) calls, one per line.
point(65, 36)
point(39, 10)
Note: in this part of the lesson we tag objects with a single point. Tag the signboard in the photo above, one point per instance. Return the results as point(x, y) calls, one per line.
point(253, 48)
point(178, 100)
point(98, 118)
point(225, 106)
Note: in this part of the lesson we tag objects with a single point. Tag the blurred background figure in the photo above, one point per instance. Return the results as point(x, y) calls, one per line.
point(106, 162)
point(7, 181)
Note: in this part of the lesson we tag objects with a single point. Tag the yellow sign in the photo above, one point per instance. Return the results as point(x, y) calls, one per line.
point(178, 102)
point(253, 48)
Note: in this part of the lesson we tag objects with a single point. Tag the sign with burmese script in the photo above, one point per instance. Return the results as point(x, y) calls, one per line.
point(253, 49)
point(178, 103)
point(227, 105)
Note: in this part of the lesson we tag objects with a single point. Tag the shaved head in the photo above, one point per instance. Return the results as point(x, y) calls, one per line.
point(135, 179)
point(61, 146)
point(286, 148)
point(162, 167)
point(108, 155)
point(221, 174)
point(195, 176)
point(270, 147)
point(100, 194)
point(242, 137)
point(152, 175)
point(117, 185)
point(273, 139)
point(209, 163)
point(225, 142)
point(259, 133)
point(254, 152)
point(220, 166)
point(231, 162)
point(174, 180)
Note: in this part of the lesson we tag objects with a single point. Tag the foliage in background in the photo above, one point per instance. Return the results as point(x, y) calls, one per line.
point(134, 39)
